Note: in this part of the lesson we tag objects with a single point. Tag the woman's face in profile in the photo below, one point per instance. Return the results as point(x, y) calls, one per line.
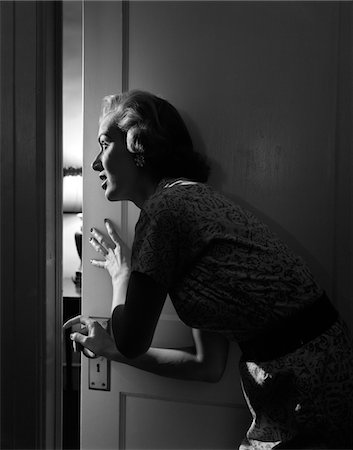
point(114, 163)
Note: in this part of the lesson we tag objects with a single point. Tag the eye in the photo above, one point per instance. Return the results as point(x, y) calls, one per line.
point(104, 142)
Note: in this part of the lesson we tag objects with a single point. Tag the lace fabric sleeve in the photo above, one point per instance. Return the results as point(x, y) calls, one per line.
point(155, 249)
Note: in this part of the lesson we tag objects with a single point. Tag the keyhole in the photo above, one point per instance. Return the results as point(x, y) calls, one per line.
point(98, 368)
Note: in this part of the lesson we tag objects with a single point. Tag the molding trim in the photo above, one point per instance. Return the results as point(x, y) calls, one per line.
point(124, 396)
point(122, 420)
point(7, 235)
point(124, 87)
point(125, 10)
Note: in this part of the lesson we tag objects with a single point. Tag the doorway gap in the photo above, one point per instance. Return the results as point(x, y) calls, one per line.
point(72, 214)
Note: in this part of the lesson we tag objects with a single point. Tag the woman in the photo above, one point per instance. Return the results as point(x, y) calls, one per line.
point(229, 277)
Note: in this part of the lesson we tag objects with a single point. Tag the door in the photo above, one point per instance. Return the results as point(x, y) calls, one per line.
point(247, 78)
point(141, 410)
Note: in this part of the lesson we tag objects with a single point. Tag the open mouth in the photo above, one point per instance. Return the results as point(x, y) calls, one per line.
point(104, 179)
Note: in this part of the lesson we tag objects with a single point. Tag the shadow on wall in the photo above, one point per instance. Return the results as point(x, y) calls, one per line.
point(218, 179)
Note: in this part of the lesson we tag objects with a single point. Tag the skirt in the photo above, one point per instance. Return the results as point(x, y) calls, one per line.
point(305, 396)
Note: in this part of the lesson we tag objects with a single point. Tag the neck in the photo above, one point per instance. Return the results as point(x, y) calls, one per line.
point(147, 187)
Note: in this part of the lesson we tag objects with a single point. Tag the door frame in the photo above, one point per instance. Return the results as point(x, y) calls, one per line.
point(30, 228)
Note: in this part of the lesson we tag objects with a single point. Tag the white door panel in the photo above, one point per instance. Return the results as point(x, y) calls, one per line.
point(185, 424)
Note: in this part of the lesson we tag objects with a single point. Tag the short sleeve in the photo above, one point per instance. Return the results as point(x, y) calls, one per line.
point(155, 249)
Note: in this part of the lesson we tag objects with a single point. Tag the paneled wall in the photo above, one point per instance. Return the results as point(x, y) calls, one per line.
point(266, 91)
point(257, 84)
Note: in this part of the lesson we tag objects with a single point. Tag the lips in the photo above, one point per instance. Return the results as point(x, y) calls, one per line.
point(104, 179)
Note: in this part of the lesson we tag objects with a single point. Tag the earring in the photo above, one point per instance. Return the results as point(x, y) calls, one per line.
point(139, 159)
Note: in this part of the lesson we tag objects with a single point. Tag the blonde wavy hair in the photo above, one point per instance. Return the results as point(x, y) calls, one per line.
point(154, 128)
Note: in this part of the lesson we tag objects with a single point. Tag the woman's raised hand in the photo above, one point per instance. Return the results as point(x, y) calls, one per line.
point(116, 257)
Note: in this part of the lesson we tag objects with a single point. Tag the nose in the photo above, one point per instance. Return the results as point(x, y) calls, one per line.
point(97, 164)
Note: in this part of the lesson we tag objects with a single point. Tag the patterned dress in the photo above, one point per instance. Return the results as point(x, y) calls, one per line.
point(225, 271)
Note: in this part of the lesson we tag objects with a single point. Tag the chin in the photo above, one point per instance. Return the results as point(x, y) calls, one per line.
point(110, 197)
point(113, 196)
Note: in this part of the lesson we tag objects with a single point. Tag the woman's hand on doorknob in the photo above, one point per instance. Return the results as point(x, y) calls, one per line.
point(94, 339)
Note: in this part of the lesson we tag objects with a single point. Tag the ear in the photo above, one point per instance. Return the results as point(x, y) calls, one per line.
point(136, 139)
